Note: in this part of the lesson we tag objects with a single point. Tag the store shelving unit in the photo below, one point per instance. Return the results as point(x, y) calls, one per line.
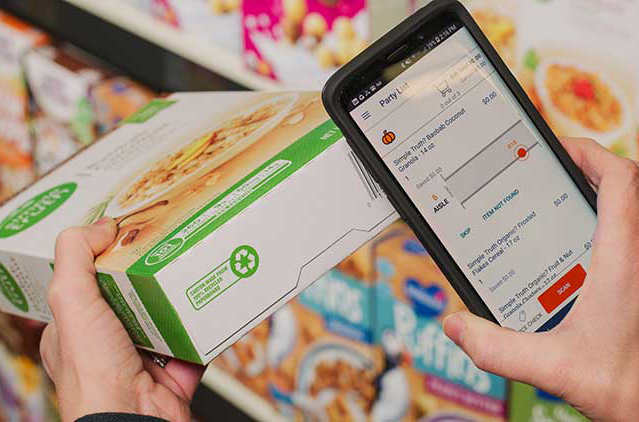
point(209, 56)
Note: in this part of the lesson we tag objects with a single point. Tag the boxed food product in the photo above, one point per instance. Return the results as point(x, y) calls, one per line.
point(246, 359)
point(114, 99)
point(302, 42)
point(214, 21)
point(580, 70)
point(75, 99)
point(412, 299)
point(16, 146)
point(498, 20)
point(321, 355)
point(529, 404)
point(228, 205)
point(364, 342)
point(25, 394)
point(326, 360)
point(316, 374)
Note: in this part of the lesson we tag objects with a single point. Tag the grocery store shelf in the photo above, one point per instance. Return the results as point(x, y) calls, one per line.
point(241, 397)
point(215, 59)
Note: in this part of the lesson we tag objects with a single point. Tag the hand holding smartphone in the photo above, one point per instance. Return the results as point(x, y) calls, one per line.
point(440, 122)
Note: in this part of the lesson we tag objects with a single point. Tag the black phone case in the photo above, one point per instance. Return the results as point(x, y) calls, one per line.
point(331, 97)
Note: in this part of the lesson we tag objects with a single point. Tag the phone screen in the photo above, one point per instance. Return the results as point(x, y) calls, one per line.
point(482, 176)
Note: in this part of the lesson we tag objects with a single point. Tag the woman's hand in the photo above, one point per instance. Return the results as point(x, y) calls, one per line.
point(591, 359)
point(88, 353)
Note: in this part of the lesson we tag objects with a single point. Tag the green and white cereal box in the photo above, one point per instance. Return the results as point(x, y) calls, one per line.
point(228, 205)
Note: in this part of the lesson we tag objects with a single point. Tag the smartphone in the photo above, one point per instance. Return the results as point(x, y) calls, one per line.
point(443, 126)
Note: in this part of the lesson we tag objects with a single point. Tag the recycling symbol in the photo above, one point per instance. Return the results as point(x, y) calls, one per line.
point(244, 261)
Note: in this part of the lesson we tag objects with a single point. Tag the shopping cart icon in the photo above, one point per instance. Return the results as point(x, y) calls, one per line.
point(444, 88)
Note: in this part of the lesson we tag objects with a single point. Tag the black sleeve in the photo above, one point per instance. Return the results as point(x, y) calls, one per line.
point(119, 417)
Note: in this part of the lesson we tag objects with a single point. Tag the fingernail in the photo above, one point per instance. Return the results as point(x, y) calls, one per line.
point(454, 327)
point(103, 220)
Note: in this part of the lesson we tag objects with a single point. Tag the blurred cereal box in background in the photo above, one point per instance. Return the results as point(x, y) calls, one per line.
point(324, 361)
point(246, 359)
point(217, 22)
point(413, 297)
point(16, 146)
point(26, 392)
point(59, 78)
point(578, 61)
point(302, 42)
point(498, 20)
point(75, 99)
point(115, 99)
point(323, 355)
point(365, 342)
point(529, 404)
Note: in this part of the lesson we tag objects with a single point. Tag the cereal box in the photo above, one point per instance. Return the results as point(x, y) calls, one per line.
point(25, 389)
point(75, 99)
point(581, 70)
point(317, 374)
point(213, 21)
point(114, 99)
point(246, 360)
point(413, 297)
point(498, 20)
point(529, 404)
point(322, 354)
point(302, 42)
point(59, 79)
point(326, 360)
point(228, 205)
point(16, 146)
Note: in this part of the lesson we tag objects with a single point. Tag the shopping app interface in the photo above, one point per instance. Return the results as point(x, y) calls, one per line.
point(484, 179)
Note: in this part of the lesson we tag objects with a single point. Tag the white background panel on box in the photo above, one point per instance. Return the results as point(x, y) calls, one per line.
point(300, 236)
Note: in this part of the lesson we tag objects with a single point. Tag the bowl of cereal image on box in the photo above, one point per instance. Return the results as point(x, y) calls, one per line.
point(579, 100)
point(335, 382)
point(199, 155)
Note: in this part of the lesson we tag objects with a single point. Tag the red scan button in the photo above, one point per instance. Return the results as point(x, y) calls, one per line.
point(563, 289)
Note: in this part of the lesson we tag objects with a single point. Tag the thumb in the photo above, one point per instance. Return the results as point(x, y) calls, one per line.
point(532, 358)
point(74, 283)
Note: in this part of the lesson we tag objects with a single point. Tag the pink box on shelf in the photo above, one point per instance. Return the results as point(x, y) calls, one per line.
point(302, 42)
